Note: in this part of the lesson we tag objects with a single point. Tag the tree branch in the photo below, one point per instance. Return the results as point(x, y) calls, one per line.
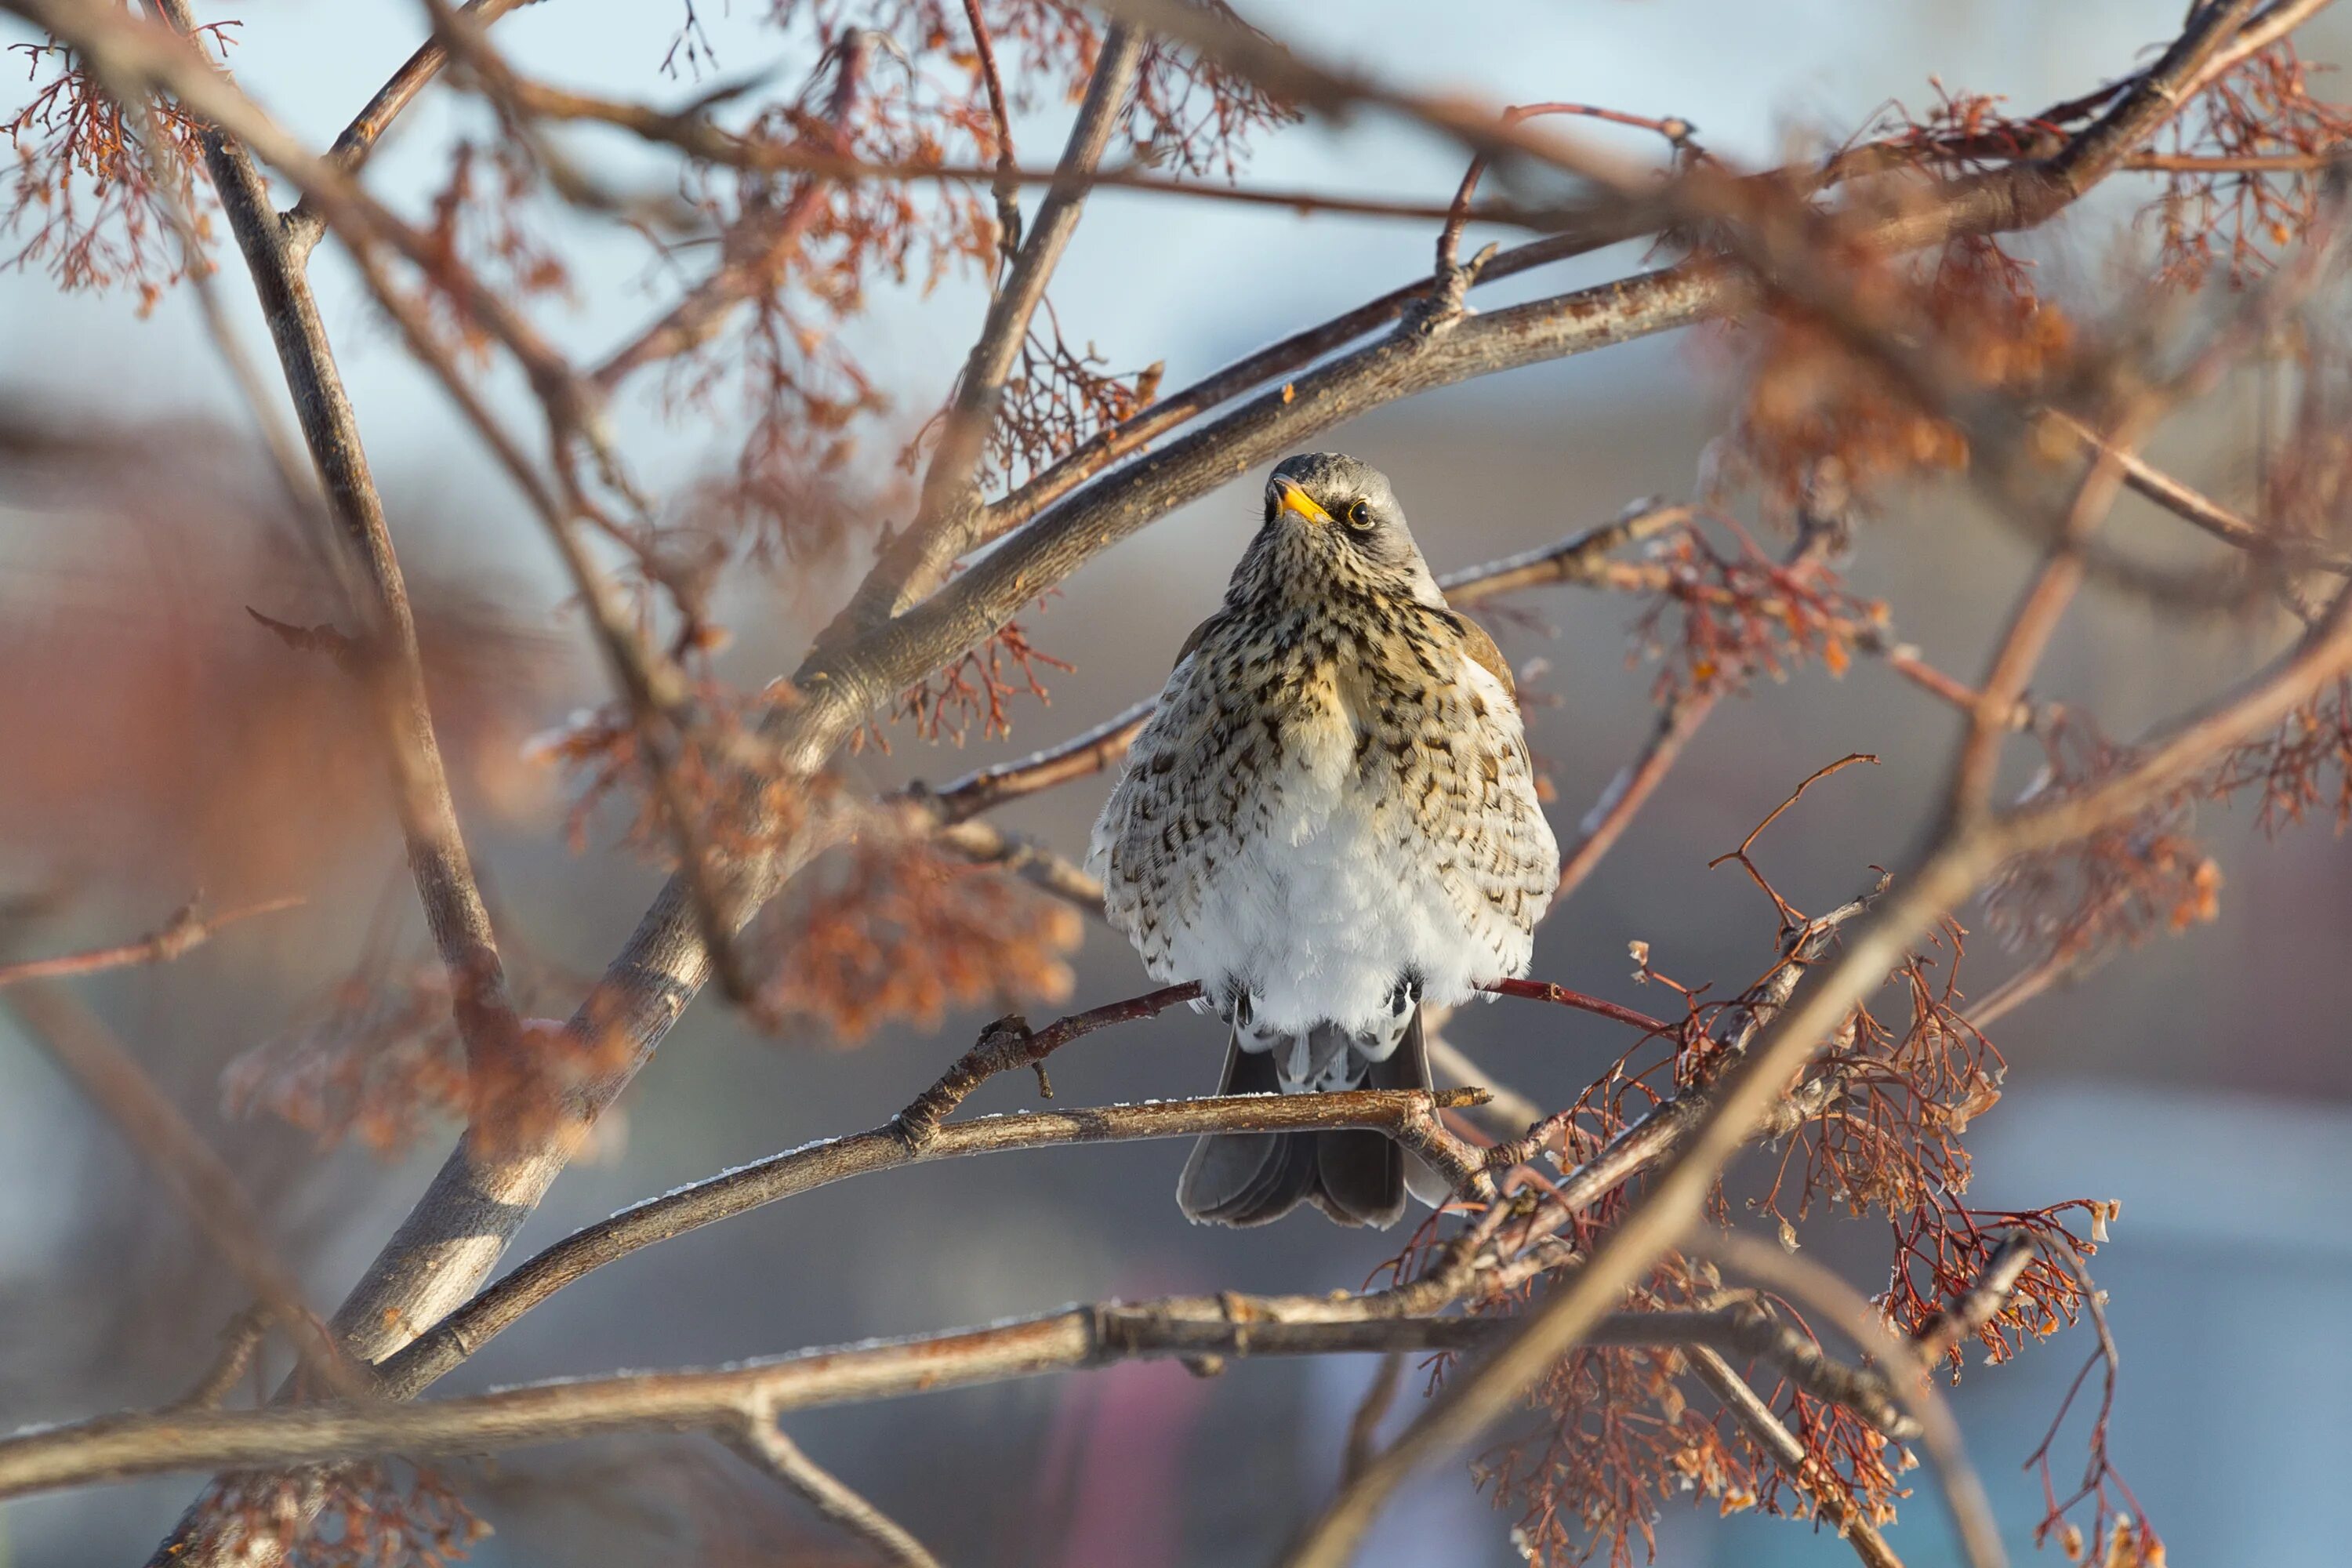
point(1747, 1096)
point(467, 1328)
point(724, 1399)
point(762, 1443)
point(920, 557)
point(189, 927)
point(1747, 1407)
point(436, 847)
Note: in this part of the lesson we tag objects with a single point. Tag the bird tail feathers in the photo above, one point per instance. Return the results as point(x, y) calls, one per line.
point(1355, 1175)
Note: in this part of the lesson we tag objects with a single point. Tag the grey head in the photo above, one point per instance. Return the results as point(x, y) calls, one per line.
point(1346, 512)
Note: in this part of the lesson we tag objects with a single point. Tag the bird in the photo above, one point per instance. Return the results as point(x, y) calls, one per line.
point(1330, 822)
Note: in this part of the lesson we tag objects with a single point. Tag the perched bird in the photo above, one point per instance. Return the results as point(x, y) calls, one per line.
point(1330, 822)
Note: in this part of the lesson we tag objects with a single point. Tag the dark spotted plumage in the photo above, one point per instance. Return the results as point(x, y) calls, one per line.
point(1330, 818)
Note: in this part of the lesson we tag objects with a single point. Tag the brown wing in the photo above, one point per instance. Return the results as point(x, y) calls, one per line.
point(1202, 631)
point(1481, 646)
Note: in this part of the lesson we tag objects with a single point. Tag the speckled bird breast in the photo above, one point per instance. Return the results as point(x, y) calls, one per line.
point(1331, 798)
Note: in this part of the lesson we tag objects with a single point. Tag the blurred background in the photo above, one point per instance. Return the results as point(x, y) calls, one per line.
point(154, 743)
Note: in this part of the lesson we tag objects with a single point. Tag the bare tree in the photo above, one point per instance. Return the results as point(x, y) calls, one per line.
point(1600, 1326)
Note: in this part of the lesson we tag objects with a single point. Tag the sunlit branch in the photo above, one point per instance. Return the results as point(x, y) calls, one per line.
point(720, 1400)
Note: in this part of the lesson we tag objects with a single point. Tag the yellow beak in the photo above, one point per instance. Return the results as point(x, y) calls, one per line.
point(1294, 499)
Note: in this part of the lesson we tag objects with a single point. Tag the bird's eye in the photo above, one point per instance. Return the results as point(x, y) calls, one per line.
point(1358, 515)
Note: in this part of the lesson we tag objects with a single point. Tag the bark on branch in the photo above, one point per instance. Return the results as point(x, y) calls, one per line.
point(723, 1399)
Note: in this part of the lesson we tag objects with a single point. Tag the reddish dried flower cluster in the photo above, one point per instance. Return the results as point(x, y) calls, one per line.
point(1055, 399)
point(1966, 133)
point(1938, 1258)
point(383, 1063)
point(380, 1060)
point(481, 224)
point(2234, 223)
point(1809, 400)
point(84, 204)
point(976, 690)
point(737, 800)
point(1890, 1139)
point(811, 249)
point(1874, 1126)
point(899, 932)
point(2073, 904)
point(367, 1516)
point(2302, 771)
point(1724, 616)
point(1620, 1439)
point(378, 1057)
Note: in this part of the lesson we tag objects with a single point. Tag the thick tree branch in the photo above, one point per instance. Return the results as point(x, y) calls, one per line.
point(917, 559)
point(724, 1399)
point(888, 1147)
point(436, 847)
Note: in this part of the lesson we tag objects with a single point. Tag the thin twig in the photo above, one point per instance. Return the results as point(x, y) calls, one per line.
point(189, 927)
point(240, 1337)
point(2194, 507)
point(200, 1182)
point(1364, 1426)
point(1561, 996)
point(1678, 720)
point(1806, 1472)
point(1006, 188)
point(1797, 1276)
point(762, 1443)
